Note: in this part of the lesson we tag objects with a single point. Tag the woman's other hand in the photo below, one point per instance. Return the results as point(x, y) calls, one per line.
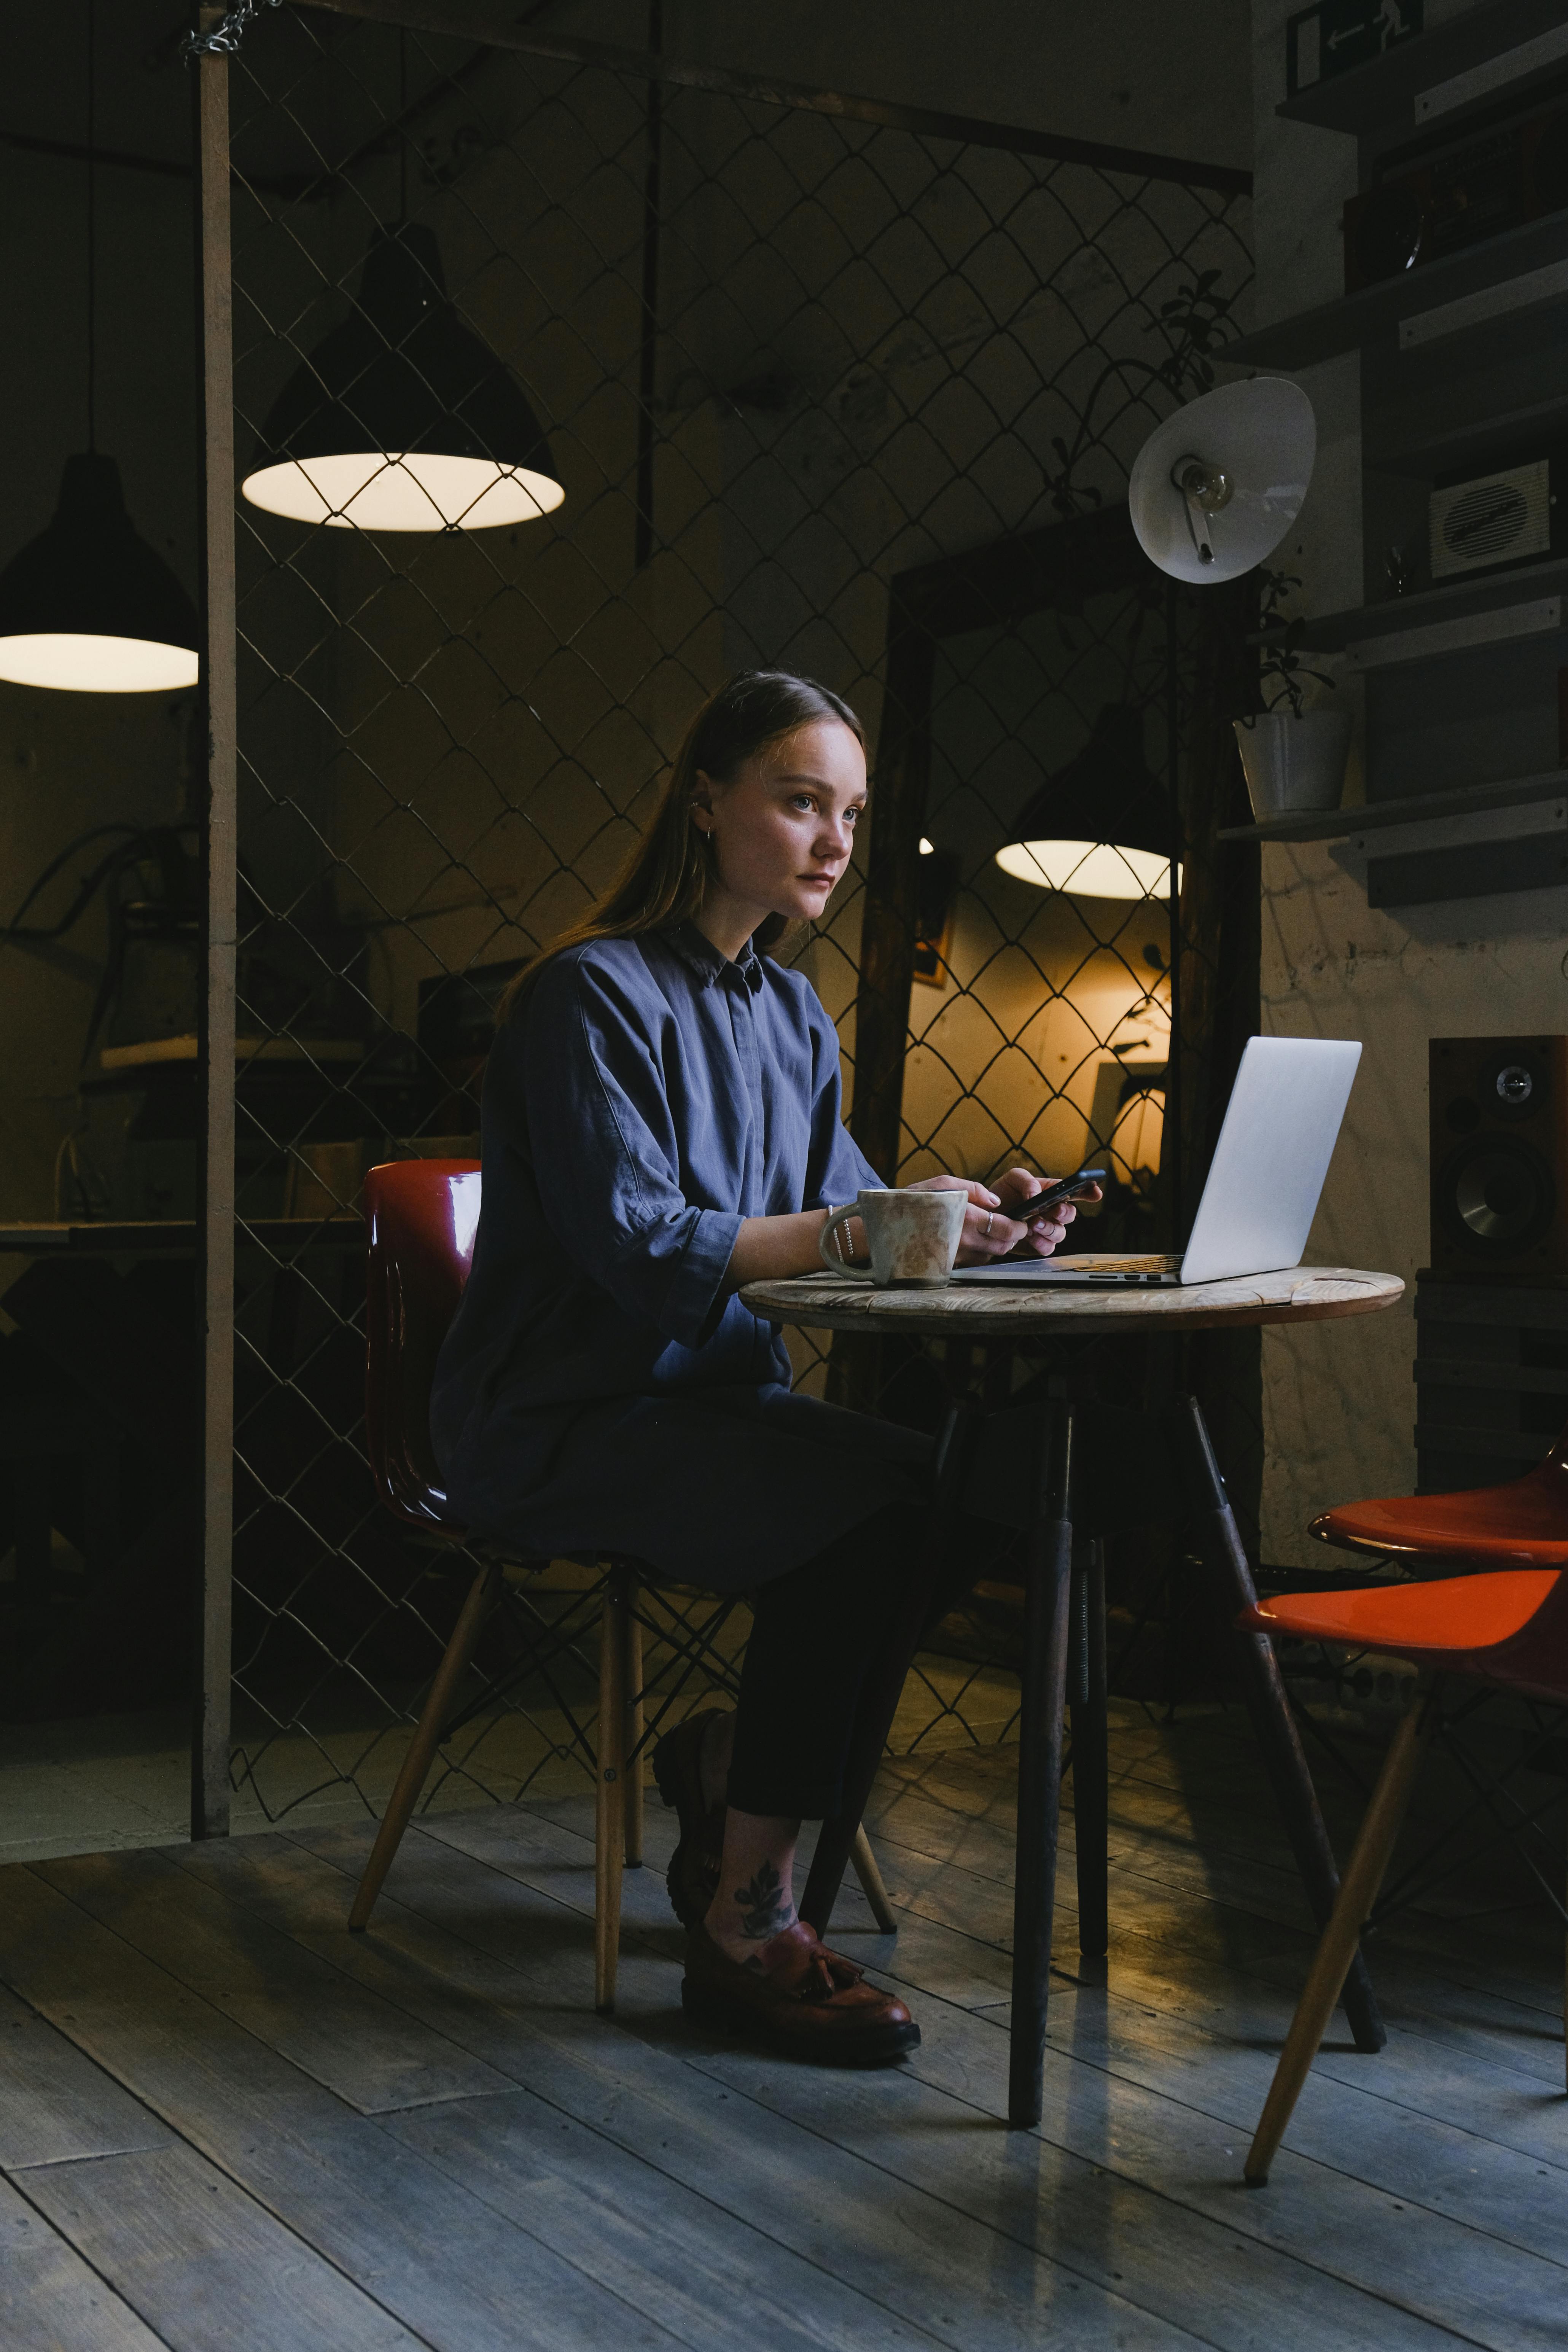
point(997, 1223)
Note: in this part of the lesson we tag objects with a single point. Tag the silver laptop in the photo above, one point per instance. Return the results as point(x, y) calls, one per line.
point(1264, 1182)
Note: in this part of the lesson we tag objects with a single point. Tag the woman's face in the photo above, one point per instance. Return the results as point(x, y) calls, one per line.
point(783, 825)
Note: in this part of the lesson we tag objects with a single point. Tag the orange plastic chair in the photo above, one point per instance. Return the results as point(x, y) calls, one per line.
point(1523, 1524)
point(421, 1216)
point(1509, 1628)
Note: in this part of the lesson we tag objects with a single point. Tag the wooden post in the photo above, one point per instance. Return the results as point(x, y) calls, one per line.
point(892, 890)
point(210, 1741)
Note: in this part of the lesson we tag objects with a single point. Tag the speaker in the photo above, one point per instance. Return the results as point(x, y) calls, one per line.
point(1499, 1156)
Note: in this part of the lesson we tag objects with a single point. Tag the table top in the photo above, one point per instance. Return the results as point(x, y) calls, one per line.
point(1299, 1293)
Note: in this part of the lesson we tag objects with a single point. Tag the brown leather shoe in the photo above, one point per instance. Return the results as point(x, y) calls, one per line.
point(693, 1877)
point(799, 1996)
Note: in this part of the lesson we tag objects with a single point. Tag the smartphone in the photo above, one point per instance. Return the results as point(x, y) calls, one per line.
point(1066, 1188)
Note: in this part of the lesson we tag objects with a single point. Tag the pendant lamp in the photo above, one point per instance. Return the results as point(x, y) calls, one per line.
point(401, 418)
point(1100, 827)
point(87, 606)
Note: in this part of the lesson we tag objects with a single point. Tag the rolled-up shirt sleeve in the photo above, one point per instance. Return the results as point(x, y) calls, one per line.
point(836, 1169)
point(606, 1160)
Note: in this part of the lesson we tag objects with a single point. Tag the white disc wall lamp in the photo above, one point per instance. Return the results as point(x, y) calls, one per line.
point(87, 607)
point(402, 418)
point(1217, 487)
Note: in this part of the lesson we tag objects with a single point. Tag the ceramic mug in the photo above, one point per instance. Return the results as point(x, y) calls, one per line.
point(914, 1237)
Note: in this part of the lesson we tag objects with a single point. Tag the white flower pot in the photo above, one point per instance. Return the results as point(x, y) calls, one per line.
point(1294, 763)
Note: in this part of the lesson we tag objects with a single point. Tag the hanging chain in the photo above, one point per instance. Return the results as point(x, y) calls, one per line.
point(225, 38)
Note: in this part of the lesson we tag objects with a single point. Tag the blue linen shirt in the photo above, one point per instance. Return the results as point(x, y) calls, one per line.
point(601, 1386)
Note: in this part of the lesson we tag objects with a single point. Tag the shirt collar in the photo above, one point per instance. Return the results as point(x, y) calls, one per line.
point(700, 955)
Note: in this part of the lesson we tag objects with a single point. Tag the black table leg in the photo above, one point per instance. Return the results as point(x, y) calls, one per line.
point(1046, 1621)
point(1090, 1759)
point(1274, 1724)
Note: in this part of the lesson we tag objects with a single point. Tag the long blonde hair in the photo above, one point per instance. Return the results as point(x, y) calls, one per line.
point(664, 880)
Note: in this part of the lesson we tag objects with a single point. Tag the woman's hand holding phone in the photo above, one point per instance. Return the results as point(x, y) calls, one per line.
point(1024, 1216)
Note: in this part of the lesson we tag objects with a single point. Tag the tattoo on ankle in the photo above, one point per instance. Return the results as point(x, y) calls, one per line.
point(765, 1907)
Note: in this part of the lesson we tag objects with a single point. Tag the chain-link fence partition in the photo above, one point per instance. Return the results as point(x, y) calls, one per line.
point(852, 395)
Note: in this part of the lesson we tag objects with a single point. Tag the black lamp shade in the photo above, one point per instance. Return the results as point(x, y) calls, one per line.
point(87, 606)
point(401, 418)
point(1100, 827)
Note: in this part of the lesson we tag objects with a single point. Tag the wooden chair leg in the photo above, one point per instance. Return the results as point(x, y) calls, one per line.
point(635, 1774)
point(871, 1878)
point(421, 1747)
point(609, 1825)
point(1331, 1964)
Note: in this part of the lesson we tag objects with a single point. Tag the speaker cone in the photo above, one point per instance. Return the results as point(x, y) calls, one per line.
point(1500, 1195)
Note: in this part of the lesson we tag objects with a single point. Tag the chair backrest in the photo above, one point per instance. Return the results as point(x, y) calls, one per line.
point(422, 1216)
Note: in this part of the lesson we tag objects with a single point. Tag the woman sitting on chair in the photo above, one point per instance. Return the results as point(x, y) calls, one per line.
point(661, 1125)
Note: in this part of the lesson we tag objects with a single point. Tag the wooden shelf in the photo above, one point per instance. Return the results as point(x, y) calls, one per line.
point(1472, 445)
point(1457, 600)
point(1376, 312)
point(1416, 808)
point(1387, 93)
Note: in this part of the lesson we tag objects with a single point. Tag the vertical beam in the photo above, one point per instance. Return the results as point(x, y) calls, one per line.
point(210, 1741)
point(1173, 1206)
point(648, 362)
point(893, 891)
point(1222, 684)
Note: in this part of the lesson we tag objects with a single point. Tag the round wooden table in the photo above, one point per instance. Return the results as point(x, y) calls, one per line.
point(1065, 1601)
point(974, 1311)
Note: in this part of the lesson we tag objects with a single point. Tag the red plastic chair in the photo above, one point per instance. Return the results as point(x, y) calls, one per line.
point(1523, 1524)
point(421, 1216)
point(1509, 1628)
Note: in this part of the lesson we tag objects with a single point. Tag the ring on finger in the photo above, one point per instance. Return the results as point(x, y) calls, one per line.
point(988, 1220)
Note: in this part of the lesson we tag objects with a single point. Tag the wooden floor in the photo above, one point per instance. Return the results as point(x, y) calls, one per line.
point(223, 2123)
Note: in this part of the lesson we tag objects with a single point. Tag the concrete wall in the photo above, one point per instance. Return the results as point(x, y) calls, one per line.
point(1338, 1400)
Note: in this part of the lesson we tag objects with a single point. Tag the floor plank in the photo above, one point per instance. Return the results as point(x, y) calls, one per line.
point(1161, 2252)
point(1225, 2128)
point(213, 2098)
point(56, 2104)
point(204, 2264)
point(448, 2265)
point(917, 2259)
point(50, 2299)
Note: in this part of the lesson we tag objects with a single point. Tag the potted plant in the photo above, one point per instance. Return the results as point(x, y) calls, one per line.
point(1294, 759)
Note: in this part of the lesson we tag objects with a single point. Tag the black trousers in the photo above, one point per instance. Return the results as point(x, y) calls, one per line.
point(830, 1644)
